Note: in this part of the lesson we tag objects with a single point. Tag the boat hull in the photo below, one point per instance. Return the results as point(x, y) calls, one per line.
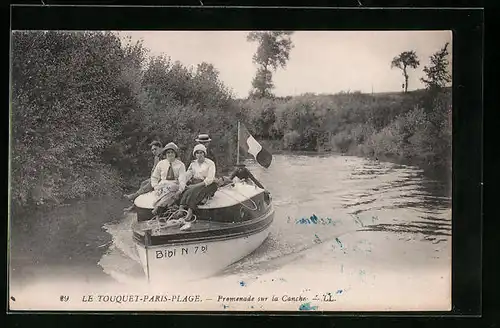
point(200, 259)
point(229, 226)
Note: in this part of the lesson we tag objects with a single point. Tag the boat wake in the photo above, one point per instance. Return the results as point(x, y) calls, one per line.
point(288, 242)
point(375, 197)
point(121, 261)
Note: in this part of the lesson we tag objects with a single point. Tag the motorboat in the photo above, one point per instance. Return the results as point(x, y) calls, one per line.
point(227, 227)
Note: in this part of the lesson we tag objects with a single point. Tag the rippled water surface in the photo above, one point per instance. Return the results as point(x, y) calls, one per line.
point(345, 195)
point(376, 234)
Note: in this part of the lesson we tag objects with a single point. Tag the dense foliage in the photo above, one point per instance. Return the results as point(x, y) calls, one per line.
point(85, 106)
point(410, 126)
point(438, 73)
point(415, 126)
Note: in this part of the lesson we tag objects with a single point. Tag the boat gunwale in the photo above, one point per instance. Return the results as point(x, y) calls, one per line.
point(208, 208)
point(222, 228)
point(139, 240)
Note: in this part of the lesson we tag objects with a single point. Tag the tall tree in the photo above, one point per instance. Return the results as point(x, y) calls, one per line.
point(273, 52)
point(438, 72)
point(405, 60)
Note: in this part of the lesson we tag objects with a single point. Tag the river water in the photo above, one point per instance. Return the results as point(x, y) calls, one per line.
point(382, 240)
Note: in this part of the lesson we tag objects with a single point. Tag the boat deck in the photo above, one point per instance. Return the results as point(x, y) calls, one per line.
point(197, 226)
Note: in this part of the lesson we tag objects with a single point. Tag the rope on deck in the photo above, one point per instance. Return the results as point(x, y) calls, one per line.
point(157, 223)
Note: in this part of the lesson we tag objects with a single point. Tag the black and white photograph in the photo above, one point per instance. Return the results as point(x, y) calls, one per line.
point(251, 170)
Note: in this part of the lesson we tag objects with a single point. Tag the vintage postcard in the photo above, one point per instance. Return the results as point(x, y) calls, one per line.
point(230, 171)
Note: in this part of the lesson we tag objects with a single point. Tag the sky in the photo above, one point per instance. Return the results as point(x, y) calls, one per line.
point(320, 62)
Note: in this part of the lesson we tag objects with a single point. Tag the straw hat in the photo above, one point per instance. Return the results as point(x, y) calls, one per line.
point(203, 138)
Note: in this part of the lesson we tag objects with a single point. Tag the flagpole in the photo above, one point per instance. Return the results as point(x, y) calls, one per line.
point(238, 146)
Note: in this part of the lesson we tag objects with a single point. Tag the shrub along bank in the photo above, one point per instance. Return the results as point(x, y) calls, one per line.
point(413, 127)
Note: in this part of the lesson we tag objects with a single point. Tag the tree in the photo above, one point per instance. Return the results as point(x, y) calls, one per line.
point(405, 60)
point(437, 73)
point(85, 105)
point(206, 81)
point(262, 84)
point(273, 52)
point(266, 120)
point(69, 103)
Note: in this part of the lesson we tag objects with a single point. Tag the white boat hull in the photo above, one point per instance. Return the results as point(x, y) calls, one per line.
point(196, 260)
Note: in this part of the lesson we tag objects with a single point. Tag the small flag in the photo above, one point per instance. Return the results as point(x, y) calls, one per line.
point(250, 145)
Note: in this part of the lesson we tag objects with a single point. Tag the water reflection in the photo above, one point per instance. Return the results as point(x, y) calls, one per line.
point(432, 228)
point(410, 192)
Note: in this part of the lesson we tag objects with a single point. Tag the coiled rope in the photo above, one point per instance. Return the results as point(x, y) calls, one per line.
point(160, 222)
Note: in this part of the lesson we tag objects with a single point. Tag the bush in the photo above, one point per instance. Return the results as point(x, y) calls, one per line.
point(342, 142)
point(291, 140)
point(318, 118)
point(66, 90)
point(172, 115)
point(86, 105)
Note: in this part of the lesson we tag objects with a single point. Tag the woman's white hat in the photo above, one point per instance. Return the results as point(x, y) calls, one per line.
point(200, 147)
point(171, 146)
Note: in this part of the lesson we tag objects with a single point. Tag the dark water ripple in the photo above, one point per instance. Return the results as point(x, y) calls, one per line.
point(359, 203)
point(430, 230)
point(360, 195)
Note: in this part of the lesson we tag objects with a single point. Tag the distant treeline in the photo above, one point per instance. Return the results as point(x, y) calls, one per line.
point(85, 107)
point(414, 127)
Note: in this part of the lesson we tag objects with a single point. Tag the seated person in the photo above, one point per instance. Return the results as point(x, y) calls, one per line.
point(145, 187)
point(205, 140)
point(240, 173)
point(200, 183)
point(167, 178)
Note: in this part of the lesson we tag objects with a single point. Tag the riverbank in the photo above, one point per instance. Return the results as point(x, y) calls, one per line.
point(412, 128)
point(436, 171)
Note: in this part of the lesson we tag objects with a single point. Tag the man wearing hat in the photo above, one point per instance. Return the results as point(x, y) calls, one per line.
point(145, 187)
point(205, 139)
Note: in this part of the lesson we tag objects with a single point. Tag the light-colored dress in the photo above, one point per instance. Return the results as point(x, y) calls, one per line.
point(168, 178)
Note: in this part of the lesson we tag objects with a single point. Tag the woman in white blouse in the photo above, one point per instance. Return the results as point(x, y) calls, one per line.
point(167, 178)
point(200, 182)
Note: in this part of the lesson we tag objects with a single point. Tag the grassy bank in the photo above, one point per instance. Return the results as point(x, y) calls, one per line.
point(411, 128)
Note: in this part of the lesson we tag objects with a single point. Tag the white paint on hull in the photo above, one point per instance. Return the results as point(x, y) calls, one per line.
point(196, 260)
